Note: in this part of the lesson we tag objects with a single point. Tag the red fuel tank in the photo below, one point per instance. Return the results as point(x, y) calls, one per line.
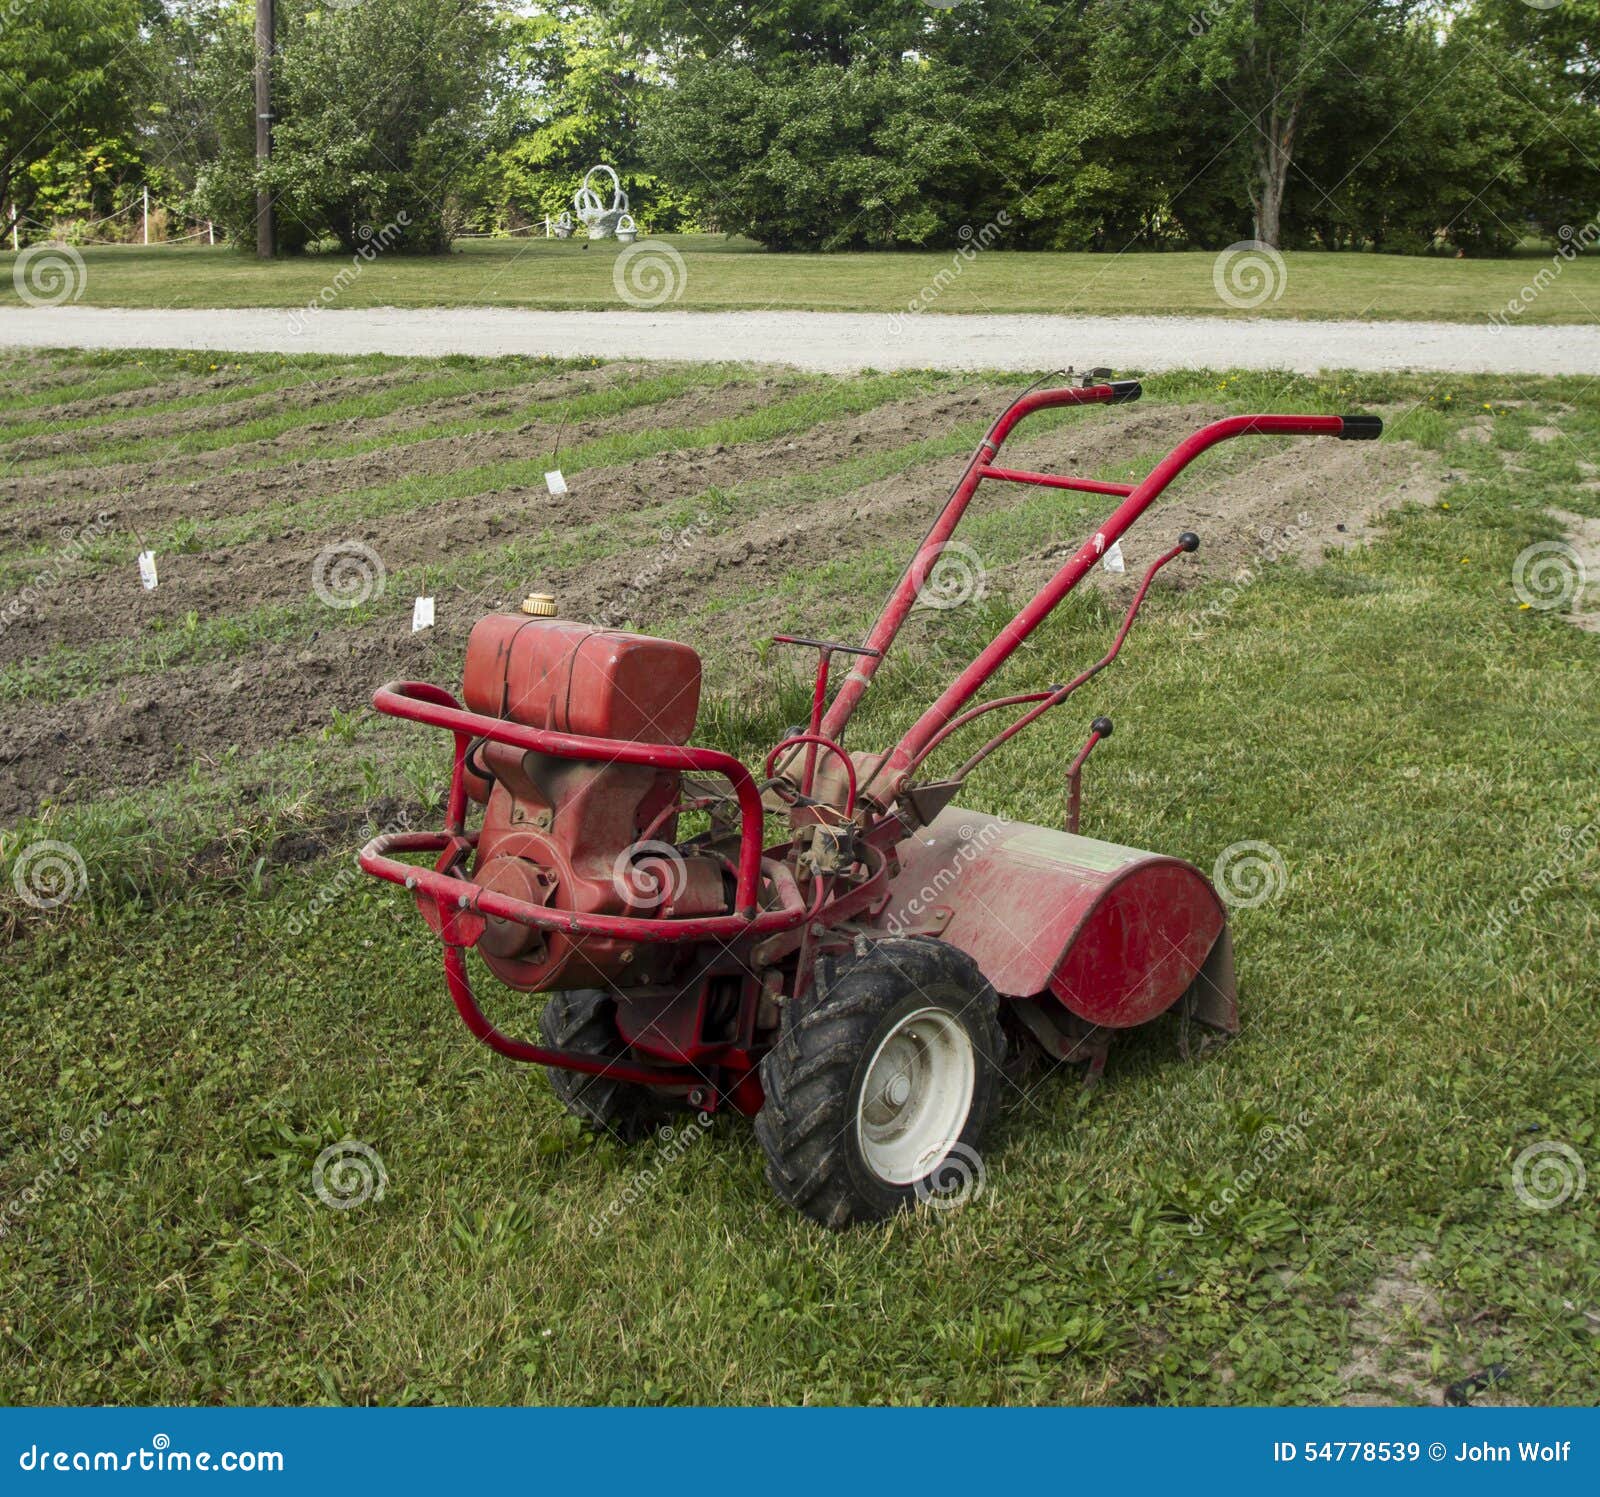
point(574, 678)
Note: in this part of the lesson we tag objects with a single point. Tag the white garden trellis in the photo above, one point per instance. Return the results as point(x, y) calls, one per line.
point(600, 220)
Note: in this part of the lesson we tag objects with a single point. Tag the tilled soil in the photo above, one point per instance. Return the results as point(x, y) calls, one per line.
point(1269, 500)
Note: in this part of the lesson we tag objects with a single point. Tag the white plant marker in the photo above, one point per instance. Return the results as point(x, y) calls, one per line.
point(147, 570)
point(422, 614)
point(555, 482)
point(1112, 561)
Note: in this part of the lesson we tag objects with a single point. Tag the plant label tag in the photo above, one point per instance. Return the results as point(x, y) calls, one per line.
point(1112, 561)
point(147, 570)
point(422, 614)
point(555, 482)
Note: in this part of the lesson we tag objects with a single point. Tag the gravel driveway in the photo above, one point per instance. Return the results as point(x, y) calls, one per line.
point(832, 341)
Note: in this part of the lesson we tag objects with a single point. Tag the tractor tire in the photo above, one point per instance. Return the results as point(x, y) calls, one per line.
point(585, 1020)
point(881, 1082)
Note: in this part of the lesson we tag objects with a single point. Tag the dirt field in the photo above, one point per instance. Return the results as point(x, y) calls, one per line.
point(237, 528)
point(1368, 679)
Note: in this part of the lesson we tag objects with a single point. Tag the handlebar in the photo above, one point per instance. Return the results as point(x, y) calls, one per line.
point(1139, 498)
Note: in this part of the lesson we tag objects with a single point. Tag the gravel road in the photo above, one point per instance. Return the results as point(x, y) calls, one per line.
point(831, 341)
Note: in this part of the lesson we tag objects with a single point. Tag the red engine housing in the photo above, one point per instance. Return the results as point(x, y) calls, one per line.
point(565, 833)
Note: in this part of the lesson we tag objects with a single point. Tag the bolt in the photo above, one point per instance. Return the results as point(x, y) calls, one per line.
point(411, 883)
point(697, 1098)
point(461, 903)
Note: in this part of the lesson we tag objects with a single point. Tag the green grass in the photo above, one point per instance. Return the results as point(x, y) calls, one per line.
point(1416, 746)
point(721, 274)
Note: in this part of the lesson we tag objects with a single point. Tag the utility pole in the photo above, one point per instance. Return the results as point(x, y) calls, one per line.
point(266, 237)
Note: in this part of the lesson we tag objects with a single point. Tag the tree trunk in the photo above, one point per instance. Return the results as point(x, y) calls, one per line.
point(1274, 153)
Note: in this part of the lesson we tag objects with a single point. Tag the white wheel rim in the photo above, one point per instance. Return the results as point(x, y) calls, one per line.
point(915, 1096)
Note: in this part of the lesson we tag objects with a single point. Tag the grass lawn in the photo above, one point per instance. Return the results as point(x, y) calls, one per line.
point(1324, 1210)
point(734, 274)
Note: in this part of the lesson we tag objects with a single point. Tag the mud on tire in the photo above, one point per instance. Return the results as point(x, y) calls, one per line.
point(915, 1018)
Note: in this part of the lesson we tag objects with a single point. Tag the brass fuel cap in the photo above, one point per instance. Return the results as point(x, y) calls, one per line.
point(539, 605)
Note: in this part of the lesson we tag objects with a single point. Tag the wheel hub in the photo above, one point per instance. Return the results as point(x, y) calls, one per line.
point(915, 1096)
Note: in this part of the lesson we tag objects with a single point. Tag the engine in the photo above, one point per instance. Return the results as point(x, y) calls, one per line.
point(577, 835)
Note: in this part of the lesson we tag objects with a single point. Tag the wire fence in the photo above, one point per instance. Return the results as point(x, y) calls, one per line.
point(74, 230)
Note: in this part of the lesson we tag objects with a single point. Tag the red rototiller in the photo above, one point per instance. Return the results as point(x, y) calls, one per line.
point(850, 986)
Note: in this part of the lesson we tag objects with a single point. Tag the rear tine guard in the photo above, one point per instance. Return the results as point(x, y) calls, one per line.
point(1116, 936)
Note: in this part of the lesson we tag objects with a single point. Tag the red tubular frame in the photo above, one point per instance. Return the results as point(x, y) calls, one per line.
point(905, 591)
point(460, 985)
point(418, 702)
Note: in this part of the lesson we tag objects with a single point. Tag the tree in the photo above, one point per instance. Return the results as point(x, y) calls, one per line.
point(1284, 68)
point(820, 155)
point(382, 109)
point(57, 78)
point(572, 91)
point(1564, 38)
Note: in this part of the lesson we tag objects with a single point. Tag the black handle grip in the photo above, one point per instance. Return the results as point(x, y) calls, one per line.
point(1361, 428)
point(1125, 389)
